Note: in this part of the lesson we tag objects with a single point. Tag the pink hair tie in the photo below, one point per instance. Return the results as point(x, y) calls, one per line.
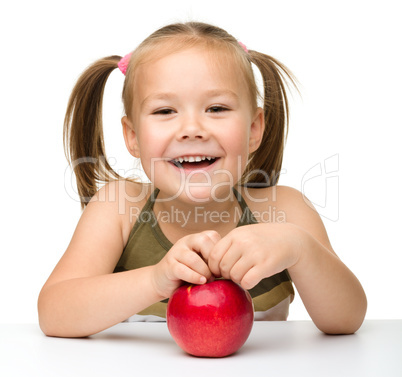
point(243, 46)
point(123, 63)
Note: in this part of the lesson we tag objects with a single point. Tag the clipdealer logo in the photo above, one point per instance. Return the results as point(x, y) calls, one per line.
point(321, 185)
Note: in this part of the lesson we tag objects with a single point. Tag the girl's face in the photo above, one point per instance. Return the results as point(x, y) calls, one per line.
point(192, 125)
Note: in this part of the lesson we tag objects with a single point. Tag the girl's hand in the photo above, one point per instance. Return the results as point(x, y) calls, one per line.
point(185, 261)
point(251, 253)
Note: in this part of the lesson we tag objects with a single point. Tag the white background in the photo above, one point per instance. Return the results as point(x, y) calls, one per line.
point(345, 54)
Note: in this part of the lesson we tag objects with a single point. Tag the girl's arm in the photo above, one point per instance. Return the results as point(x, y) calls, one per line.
point(330, 292)
point(332, 295)
point(83, 296)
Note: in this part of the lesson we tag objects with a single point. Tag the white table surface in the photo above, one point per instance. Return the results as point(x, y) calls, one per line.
point(294, 348)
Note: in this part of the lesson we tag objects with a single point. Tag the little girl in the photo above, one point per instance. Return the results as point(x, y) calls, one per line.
point(213, 157)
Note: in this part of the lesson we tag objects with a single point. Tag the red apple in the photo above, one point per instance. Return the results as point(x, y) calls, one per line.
point(210, 320)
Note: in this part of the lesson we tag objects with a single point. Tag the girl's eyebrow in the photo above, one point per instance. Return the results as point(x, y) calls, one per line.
point(222, 93)
point(209, 94)
point(158, 96)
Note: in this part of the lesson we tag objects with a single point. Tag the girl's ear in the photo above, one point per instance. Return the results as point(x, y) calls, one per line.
point(256, 130)
point(130, 137)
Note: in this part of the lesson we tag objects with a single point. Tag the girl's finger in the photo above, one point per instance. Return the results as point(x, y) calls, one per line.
point(251, 278)
point(195, 263)
point(240, 269)
point(188, 275)
point(228, 262)
point(203, 242)
point(217, 253)
point(213, 235)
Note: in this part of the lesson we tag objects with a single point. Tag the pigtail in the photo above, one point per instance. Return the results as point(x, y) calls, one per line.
point(83, 129)
point(266, 162)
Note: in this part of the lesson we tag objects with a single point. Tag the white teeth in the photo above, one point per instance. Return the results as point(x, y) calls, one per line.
point(193, 158)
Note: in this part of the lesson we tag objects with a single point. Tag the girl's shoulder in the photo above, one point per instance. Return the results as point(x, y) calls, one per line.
point(125, 199)
point(278, 204)
point(272, 195)
point(283, 204)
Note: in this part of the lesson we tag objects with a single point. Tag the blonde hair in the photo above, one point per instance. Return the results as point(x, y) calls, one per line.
point(83, 129)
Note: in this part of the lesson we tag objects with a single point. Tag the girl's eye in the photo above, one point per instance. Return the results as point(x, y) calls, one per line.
point(216, 109)
point(163, 112)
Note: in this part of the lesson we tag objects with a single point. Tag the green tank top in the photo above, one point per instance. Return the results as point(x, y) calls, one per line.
point(147, 245)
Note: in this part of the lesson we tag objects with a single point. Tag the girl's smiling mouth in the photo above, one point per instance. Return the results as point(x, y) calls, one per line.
point(194, 162)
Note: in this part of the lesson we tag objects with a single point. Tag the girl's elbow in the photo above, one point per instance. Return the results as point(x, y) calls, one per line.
point(340, 329)
point(345, 325)
point(47, 317)
point(55, 329)
point(350, 320)
point(48, 327)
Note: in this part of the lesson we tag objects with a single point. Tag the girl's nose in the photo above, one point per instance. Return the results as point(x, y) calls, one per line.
point(192, 129)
